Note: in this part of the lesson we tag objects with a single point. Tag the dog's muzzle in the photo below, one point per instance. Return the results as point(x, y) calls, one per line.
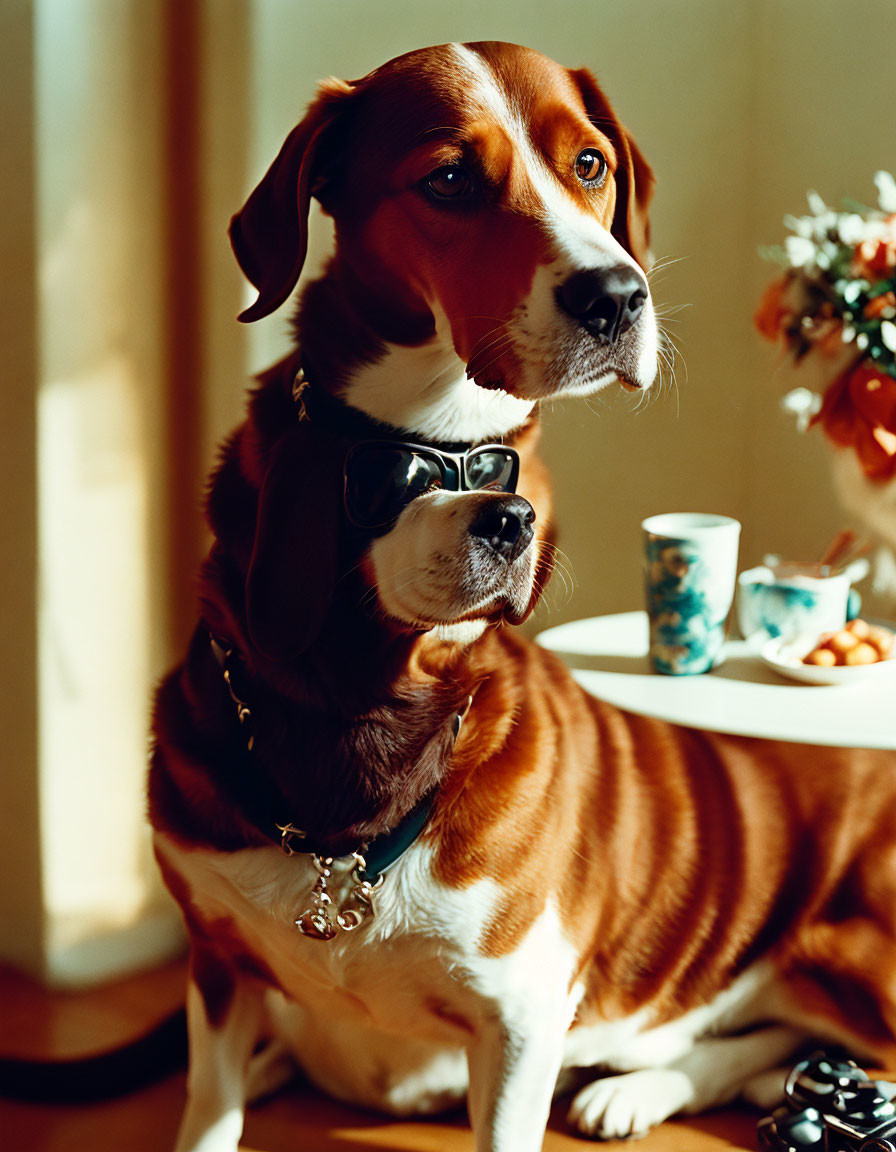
point(605, 301)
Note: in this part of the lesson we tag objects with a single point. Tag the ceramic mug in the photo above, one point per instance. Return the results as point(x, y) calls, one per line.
point(690, 564)
point(784, 601)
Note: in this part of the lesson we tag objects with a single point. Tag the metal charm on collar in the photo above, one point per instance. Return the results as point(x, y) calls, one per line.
point(299, 385)
point(287, 831)
point(322, 920)
point(243, 712)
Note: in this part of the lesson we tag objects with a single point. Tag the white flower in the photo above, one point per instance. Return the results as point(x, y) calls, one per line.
point(803, 404)
point(800, 251)
point(888, 334)
point(852, 228)
point(801, 225)
point(886, 191)
point(818, 206)
point(880, 228)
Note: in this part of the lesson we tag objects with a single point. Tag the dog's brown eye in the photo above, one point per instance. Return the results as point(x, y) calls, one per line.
point(449, 183)
point(591, 167)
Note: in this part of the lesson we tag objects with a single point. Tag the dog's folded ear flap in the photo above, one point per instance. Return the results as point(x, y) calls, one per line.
point(296, 551)
point(634, 178)
point(634, 191)
point(269, 234)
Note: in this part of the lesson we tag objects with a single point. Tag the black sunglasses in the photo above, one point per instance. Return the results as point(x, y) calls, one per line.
point(383, 476)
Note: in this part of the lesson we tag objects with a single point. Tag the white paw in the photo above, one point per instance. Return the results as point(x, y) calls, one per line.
point(269, 1069)
point(617, 1107)
point(765, 1090)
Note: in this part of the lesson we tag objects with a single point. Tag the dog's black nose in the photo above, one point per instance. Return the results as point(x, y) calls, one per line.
point(505, 524)
point(605, 301)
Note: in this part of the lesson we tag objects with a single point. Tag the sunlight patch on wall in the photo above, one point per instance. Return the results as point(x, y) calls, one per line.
point(98, 458)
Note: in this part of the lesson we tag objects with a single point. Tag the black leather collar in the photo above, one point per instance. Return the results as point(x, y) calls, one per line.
point(382, 852)
point(335, 416)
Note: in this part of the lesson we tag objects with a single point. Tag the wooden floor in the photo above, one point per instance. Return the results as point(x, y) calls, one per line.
point(36, 1024)
point(299, 1121)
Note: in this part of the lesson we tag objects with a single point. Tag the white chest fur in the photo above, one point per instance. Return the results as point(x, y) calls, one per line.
point(411, 989)
point(263, 892)
point(412, 971)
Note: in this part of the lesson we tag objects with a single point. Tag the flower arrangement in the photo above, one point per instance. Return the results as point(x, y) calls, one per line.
point(838, 296)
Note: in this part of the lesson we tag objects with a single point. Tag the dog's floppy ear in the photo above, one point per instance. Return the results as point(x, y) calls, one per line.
point(269, 234)
point(296, 551)
point(634, 191)
point(634, 178)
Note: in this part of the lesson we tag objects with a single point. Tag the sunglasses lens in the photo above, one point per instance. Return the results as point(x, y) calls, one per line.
point(492, 468)
point(380, 482)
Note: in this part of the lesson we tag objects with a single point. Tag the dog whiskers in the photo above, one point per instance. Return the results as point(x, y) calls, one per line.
point(508, 344)
point(669, 313)
point(411, 577)
point(668, 356)
point(439, 128)
point(412, 574)
point(482, 351)
point(368, 598)
point(597, 398)
point(661, 266)
point(498, 328)
point(349, 572)
point(562, 568)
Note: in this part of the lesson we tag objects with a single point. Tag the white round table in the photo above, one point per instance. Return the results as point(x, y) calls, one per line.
point(608, 655)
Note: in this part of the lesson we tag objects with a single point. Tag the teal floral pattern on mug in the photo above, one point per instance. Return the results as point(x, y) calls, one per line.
point(689, 585)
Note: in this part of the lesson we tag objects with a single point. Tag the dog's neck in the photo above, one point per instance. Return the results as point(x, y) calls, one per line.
point(405, 374)
point(350, 738)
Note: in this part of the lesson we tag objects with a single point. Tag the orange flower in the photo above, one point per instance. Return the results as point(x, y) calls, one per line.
point(859, 412)
point(885, 304)
point(828, 337)
point(771, 315)
point(878, 256)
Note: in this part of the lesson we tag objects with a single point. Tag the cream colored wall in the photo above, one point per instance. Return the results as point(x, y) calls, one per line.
point(101, 410)
point(81, 476)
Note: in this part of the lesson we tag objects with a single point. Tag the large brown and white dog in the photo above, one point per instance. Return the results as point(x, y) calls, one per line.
point(491, 231)
point(411, 853)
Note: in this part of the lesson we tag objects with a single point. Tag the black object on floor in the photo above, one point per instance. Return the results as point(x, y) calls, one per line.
point(831, 1106)
point(104, 1076)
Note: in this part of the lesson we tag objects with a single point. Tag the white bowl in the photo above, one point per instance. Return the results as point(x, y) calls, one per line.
point(786, 657)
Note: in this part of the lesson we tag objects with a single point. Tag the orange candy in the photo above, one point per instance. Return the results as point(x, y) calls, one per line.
point(858, 643)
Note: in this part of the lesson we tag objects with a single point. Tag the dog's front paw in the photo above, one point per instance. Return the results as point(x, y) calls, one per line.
point(765, 1090)
point(620, 1107)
